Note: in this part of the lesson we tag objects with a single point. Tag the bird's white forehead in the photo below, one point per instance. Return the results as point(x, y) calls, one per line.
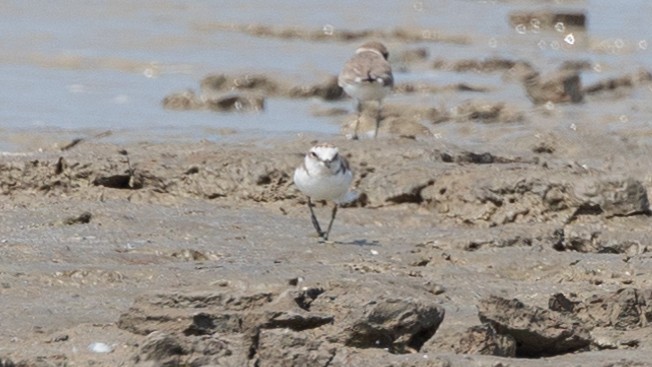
point(325, 152)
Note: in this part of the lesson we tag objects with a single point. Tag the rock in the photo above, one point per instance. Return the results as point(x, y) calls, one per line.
point(403, 185)
point(328, 90)
point(612, 84)
point(282, 347)
point(413, 55)
point(474, 158)
point(560, 303)
point(82, 218)
point(164, 349)
point(292, 327)
point(405, 128)
point(348, 357)
point(611, 197)
point(223, 103)
point(160, 347)
point(494, 199)
point(193, 313)
point(547, 19)
point(559, 87)
point(487, 112)
point(488, 65)
point(480, 339)
point(186, 100)
point(401, 113)
point(397, 324)
point(369, 318)
point(625, 309)
point(623, 197)
point(213, 86)
point(115, 181)
point(577, 65)
point(596, 238)
point(397, 120)
point(537, 332)
point(240, 103)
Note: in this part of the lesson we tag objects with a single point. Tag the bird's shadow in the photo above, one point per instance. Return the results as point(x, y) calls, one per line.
point(361, 243)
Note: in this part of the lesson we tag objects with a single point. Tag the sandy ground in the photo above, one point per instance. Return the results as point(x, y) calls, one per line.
point(433, 222)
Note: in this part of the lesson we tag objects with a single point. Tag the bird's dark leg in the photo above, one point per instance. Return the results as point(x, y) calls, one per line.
point(378, 116)
point(330, 225)
point(357, 120)
point(313, 218)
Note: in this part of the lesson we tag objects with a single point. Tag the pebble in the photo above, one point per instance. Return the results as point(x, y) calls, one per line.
point(99, 347)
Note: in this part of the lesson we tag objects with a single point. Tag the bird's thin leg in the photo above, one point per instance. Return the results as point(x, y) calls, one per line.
point(378, 116)
point(313, 218)
point(357, 120)
point(330, 225)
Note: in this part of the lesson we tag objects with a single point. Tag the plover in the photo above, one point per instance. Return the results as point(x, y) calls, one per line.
point(324, 175)
point(367, 76)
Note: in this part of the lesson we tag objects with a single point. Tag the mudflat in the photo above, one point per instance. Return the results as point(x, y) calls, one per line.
point(202, 253)
point(503, 217)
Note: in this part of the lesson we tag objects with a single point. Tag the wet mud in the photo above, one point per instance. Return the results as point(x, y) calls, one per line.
point(528, 251)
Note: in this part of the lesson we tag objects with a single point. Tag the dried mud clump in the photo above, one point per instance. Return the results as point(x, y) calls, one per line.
point(558, 87)
point(624, 309)
point(487, 112)
point(537, 332)
point(290, 327)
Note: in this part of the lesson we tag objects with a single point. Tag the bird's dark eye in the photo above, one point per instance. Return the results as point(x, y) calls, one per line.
point(313, 154)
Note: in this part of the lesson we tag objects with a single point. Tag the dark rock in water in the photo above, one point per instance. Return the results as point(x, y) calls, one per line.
point(547, 19)
point(186, 100)
point(413, 55)
point(328, 90)
point(240, 103)
point(488, 112)
point(559, 87)
point(537, 332)
point(225, 103)
point(488, 65)
point(623, 82)
point(215, 84)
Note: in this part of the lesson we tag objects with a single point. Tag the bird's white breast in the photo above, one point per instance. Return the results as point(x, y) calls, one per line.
point(319, 186)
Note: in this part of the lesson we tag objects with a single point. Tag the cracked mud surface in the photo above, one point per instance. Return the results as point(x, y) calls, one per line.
point(203, 253)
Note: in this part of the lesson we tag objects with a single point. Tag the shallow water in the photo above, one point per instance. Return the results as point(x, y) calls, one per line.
point(75, 69)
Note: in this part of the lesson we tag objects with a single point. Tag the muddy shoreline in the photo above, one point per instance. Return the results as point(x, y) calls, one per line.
point(96, 249)
point(489, 231)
